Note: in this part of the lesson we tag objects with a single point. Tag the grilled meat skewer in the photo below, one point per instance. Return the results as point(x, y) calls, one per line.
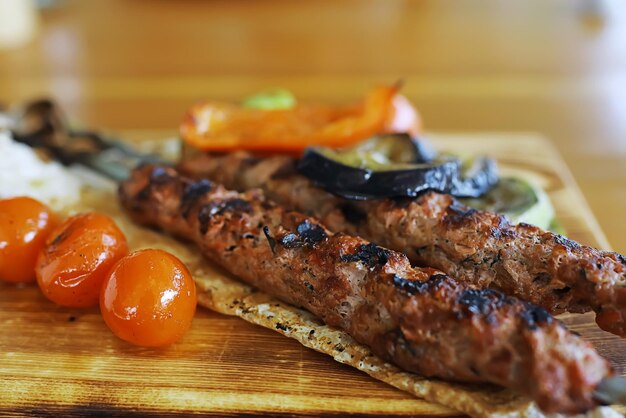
point(417, 318)
point(435, 230)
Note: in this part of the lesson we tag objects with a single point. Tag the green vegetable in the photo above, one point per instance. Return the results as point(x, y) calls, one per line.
point(519, 200)
point(270, 100)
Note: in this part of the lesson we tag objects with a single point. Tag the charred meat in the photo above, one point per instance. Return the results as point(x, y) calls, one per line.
point(435, 230)
point(417, 318)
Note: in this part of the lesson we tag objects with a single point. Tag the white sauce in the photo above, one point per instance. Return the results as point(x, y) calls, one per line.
point(23, 173)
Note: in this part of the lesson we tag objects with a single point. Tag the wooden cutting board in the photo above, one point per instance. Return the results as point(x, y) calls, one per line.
point(64, 362)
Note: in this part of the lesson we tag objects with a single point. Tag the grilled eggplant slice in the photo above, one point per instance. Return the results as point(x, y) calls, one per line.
point(395, 166)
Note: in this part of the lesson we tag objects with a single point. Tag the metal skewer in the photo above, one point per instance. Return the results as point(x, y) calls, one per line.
point(611, 391)
point(41, 125)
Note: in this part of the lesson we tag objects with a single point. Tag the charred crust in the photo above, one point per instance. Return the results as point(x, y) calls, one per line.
point(481, 301)
point(217, 208)
point(234, 205)
point(534, 316)
point(311, 233)
point(566, 242)
point(203, 219)
point(411, 287)
point(352, 214)
point(500, 232)
point(290, 240)
point(458, 213)
point(436, 279)
point(620, 258)
point(306, 233)
point(495, 260)
point(369, 254)
point(339, 347)
point(192, 194)
point(270, 240)
point(504, 222)
point(160, 175)
point(282, 327)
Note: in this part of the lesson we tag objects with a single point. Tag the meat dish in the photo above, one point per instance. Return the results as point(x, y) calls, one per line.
point(417, 318)
point(435, 230)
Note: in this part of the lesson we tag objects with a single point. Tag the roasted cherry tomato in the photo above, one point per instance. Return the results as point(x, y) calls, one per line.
point(403, 118)
point(24, 226)
point(149, 298)
point(77, 256)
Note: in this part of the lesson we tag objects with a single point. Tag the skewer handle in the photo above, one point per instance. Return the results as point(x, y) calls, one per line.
point(612, 391)
point(41, 124)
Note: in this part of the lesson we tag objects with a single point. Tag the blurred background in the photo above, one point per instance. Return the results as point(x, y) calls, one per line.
point(555, 67)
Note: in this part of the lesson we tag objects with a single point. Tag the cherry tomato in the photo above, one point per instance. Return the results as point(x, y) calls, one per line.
point(77, 256)
point(149, 298)
point(24, 226)
point(404, 117)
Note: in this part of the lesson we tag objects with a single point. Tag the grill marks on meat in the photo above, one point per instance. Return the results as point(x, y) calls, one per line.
point(435, 230)
point(418, 318)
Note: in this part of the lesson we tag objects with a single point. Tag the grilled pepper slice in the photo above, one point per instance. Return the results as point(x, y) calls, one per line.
point(223, 127)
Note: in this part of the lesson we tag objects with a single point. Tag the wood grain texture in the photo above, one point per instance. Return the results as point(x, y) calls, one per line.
point(64, 362)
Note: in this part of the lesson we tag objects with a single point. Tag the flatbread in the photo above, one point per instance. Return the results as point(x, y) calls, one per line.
point(221, 292)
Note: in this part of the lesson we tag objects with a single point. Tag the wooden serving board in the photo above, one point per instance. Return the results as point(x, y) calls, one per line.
point(64, 362)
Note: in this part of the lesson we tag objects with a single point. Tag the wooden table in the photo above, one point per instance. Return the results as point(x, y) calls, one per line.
point(556, 68)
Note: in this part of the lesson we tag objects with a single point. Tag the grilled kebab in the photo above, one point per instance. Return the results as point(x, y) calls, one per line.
point(418, 318)
point(435, 230)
